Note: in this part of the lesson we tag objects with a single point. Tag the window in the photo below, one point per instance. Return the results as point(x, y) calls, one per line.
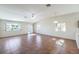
point(12, 27)
point(63, 27)
point(60, 26)
point(30, 28)
point(38, 27)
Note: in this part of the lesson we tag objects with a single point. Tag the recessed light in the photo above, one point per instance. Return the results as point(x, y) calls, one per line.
point(55, 22)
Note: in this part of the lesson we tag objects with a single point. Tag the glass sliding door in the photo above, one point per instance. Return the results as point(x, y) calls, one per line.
point(30, 28)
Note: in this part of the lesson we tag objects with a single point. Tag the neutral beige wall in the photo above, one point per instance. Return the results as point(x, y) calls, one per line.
point(48, 27)
point(3, 33)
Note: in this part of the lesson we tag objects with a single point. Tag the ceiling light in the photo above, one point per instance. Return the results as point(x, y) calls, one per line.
point(55, 22)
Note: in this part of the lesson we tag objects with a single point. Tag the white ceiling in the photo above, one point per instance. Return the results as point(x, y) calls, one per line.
point(16, 12)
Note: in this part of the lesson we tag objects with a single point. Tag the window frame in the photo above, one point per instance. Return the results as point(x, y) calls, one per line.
point(12, 29)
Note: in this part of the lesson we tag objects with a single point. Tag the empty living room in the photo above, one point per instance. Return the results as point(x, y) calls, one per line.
point(39, 28)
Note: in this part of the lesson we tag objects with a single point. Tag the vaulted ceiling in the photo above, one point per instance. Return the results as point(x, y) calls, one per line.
point(35, 12)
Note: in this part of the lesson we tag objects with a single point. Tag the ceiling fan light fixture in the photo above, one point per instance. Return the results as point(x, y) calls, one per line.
point(48, 5)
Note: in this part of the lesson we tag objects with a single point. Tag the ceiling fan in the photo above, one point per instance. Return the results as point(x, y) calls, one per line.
point(48, 5)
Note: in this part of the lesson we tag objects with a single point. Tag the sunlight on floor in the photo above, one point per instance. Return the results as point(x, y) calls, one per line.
point(38, 40)
point(13, 44)
point(31, 34)
point(60, 42)
point(53, 38)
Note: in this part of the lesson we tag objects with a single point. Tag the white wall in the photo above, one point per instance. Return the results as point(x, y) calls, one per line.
point(3, 33)
point(48, 27)
point(0, 28)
